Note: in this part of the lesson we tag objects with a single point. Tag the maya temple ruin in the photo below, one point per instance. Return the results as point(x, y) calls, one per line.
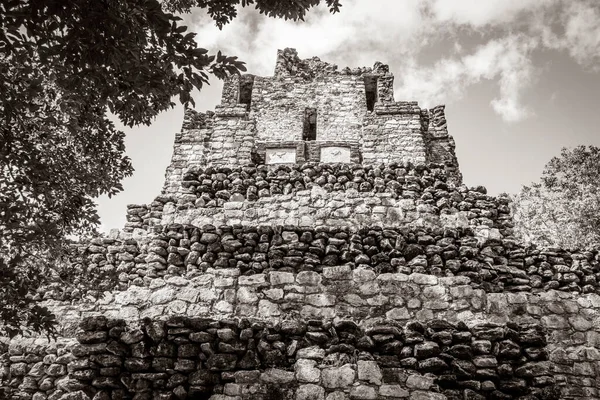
point(314, 241)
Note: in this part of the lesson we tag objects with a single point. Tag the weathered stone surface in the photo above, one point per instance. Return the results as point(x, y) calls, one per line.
point(281, 278)
point(338, 377)
point(338, 272)
point(78, 395)
point(306, 371)
point(363, 392)
point(369, 371)
point(313, 352)
point(310, 392)
point(310, 278)
point(268, 309)
point(393, 391)
point(419, 382)
point(400, 313)
point(418, 395)
point(277, 376)
point(222, 362)
point(426, 350)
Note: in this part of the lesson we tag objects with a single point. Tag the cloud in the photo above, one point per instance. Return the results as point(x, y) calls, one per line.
point(353, 36)
point(480, 14)
point(467, 42)
point(503, 59)
point(582, 33)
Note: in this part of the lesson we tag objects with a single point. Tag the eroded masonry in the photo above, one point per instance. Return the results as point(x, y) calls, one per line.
point(314, 241)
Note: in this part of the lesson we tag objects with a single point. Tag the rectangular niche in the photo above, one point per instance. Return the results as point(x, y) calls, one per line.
point(309, 127)
point(245, 93)
point(335, 154)
point(280, 155)
point(371, 91)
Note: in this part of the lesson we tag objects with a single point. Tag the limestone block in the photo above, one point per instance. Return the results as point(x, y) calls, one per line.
point(363, 275)
point(195, 310)
point(177, 281)
point(277, 376)
point(321, 300)
point(162, 296)
point(223, 307)
point(310, 278)
point(252, 280)
point(579, 323)
point(176, 307)
point(337, 396)
point(338, 272)
point(306, 371)
point(338, 377)
point(419, 395)
point(246, 295)
point(281, 278)
point(419, 382)
point(227, 282)
point(555, 322)
point(394, 391)
point(189, 294)
point(134, 295)
point(369, 371)
point(312, 353)
point(399, 313)
point(309, 312)
point(422, 279)
point(310, 392)
point(274, 294)
point(206, 296)
point(363, 392)
point(268, 309)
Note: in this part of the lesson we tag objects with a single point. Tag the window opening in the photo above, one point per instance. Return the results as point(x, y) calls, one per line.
point(310, 124)
point(246, 84)
point(371, 91)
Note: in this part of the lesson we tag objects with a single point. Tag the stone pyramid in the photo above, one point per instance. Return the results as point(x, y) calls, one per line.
point(314, 241)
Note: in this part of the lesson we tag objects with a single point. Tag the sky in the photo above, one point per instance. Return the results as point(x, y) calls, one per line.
point(520, 78)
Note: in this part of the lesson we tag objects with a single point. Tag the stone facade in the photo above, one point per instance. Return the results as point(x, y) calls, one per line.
point(313, 241)
point(257, 113)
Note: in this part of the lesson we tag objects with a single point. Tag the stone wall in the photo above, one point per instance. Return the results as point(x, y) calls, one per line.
point(393, 134)
point(313, 193)
point(274, 113)
point(272, 286)
point(440, 145)
point(278, 105)
point(491, 262)
point(317, 207)
point(241, 359)
point(390, 277)
point(225, 137)
point(572, 347)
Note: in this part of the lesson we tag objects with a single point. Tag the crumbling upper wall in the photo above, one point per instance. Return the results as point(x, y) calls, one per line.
point(189, 148)
point(279, 106)
point(224, 137)
point(306, 110)
point(440, 145)
point(338, 98)
point(392, 133)
point(289, 64)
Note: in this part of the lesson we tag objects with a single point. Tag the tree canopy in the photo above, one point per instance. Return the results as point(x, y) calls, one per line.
point(63, 66)
point(563, 209)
